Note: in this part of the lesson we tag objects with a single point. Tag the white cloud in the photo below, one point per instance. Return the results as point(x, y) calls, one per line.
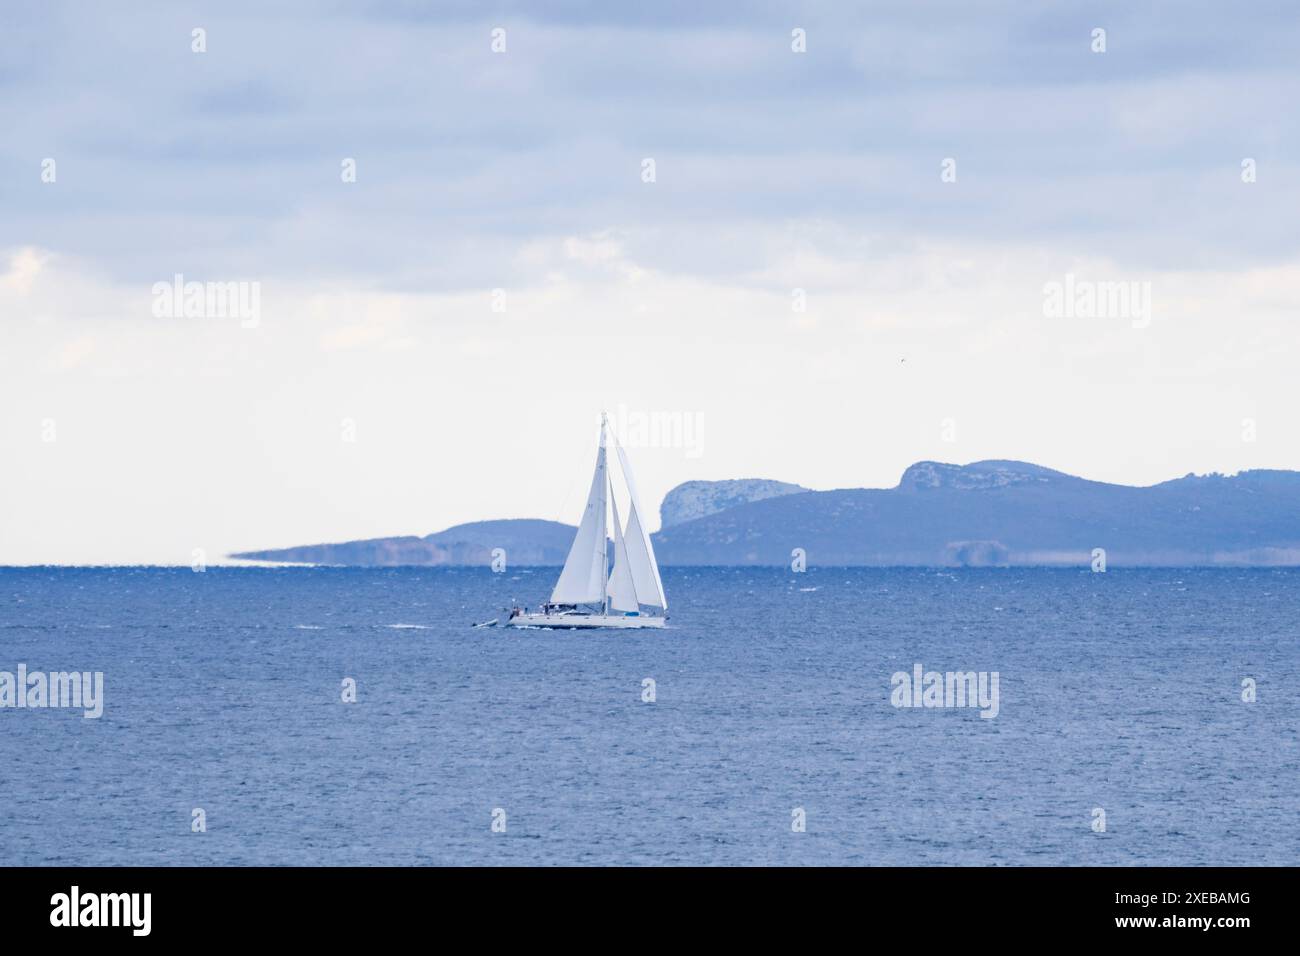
point(521, 172)
point(205, 434)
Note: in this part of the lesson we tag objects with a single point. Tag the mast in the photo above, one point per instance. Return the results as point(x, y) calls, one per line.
point(604, 541)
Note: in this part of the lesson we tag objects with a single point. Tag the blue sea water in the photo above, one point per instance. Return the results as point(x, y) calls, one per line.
point(222, 691)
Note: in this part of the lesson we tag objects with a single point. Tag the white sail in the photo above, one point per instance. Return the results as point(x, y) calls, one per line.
point(586, 579)
point(583, 579)
point(641, 554)
point(621, 589)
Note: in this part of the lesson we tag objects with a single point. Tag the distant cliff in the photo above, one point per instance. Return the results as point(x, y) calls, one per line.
point(989, 513)
point(698, 499)
point(1007, 513)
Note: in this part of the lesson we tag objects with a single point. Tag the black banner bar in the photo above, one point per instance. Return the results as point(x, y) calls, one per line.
point(1219, 906)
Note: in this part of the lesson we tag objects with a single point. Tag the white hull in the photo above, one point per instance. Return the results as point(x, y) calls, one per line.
point(573, 621)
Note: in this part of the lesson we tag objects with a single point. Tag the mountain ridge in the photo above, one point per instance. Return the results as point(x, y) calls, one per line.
point(996, 512)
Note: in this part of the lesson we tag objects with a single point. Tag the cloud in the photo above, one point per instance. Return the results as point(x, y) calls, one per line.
point(23, 269)
point(521, 172)
point(75, 352)
point(228, 162)
point(225, 437)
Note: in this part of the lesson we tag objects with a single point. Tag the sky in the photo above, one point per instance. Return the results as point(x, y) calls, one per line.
point(464, 229)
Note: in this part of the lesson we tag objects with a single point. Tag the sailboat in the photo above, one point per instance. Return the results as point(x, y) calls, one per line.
point(588, 594)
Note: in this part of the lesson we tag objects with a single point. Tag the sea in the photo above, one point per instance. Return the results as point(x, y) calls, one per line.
point(325, 716)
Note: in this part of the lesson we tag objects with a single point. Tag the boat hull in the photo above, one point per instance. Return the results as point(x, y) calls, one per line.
point(584, 622)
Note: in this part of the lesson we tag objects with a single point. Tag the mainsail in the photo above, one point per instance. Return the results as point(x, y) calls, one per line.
point(641, 554)
point(622, 592)
point(583, 579)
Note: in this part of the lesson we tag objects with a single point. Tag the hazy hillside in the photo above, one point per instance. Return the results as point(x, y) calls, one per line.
point(527, 541)
point(986, 513)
